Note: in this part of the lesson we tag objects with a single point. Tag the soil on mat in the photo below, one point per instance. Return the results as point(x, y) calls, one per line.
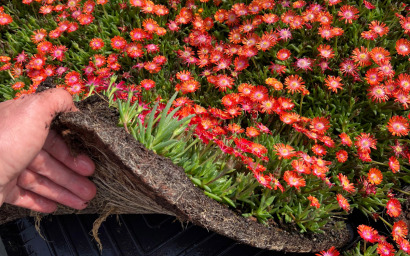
point(131, 179)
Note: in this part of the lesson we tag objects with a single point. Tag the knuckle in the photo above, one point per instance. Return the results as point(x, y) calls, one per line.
point(26, 179)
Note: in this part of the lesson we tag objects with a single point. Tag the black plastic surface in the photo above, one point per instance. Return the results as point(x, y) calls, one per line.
point(125, 235)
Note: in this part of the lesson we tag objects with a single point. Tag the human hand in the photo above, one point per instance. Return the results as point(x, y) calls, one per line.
point(36, 168)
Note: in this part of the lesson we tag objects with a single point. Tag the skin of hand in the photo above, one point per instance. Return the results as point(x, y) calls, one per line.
point(36, 169)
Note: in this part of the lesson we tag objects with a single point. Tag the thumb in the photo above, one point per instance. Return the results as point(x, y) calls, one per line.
point(55, 101)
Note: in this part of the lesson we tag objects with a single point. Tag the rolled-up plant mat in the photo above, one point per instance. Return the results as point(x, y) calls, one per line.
point(132, 179)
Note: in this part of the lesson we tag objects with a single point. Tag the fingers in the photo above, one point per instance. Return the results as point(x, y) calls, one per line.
point(26, 199)
point(56, 147)
point(56, 172)
point(42, 186)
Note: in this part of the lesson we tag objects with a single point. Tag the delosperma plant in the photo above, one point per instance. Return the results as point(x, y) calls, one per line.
point(290, 112)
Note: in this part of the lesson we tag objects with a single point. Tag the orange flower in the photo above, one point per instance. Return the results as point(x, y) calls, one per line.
point(283, 54)
point(319, 150)
point(284, 151)
point(147, 84)
point(341, 156)
point(375, 176)
point(252, 132)
point(361, 56)
point(347, 186)
point(399, 230)
point(300, 166)
point(189, 86)
point(267, 106)
point(394, 164)
point(264, 180)
point(398, 126)
point(379, 54)
point(96, 43)
point(343, 203)
point(294, 83)
point(365, 141)
point(313, 201)
point(378, 27)
point(332, 251)
point(39, 36)
point(385, 249)
point(403, 47)
point(319, 125)
point(403, 81)
point(393, 208)
point(117, 42)
point(333, 83)
point(368, 233)
point(377, 93)
point(5, 19)
point(150, 25)
point(294, 180)
point(326, 51)
point(277, 85)
point(348, 13)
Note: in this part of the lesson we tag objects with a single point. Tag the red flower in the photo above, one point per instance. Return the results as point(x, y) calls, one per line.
point(283, 54)
point(394, 164)
point(375, 176)
point(333, 83)
point(294, 180)
point(5, 19)
point(379, 28)
point(314, 201)
point(348, 13)
point(377, 93)
point(361, 56)
point(147, 84)
point(385, 249)
point(331, 252)
point(189, 86)
point(393, 207)
point(368, 233)
point(365, 141)
point(345, 139)
point(96, 43)
point(284, 151)
point(326, 51)
point(368, 5)
point(294, 83)
point(341, 156)
point(343, 203)
point(347, 186)
point(264, 180)
point(399, 230)
point(319, 125)
point(398, 126)
point(119, 43)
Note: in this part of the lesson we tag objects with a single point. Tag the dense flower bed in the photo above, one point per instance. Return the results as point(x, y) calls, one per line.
point(289, 111)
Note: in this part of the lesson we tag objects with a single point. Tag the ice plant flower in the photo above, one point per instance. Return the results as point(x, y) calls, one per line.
point(284, 151)
point(343, 203)
point(375, 176)
point(314, 202)
point(331, 252)
point(393, 207)
point(398, 126)
point(368, 233)
point(399, 230)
